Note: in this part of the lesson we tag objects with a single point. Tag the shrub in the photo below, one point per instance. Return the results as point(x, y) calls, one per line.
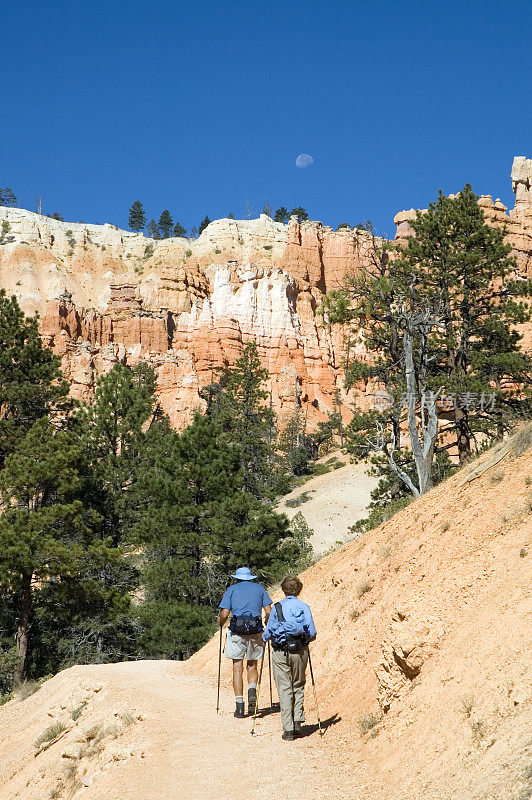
point(363, 588)
point(368, 721)
point(466, 704)
point(49, 734)
point(77, 712)
point(188, 253)
point(294, 502)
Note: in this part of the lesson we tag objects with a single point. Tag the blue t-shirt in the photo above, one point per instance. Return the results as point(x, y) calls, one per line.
point(245, 597)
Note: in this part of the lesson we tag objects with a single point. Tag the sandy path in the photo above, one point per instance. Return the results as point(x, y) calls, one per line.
point(191, 752)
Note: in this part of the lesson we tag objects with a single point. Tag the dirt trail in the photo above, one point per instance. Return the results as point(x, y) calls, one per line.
point(180, 747)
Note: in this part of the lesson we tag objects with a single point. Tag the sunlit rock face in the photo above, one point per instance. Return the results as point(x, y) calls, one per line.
point(188, 306)
point(518, 221)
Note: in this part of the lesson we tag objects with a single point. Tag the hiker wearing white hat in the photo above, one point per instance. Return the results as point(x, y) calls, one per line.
point(245, 601)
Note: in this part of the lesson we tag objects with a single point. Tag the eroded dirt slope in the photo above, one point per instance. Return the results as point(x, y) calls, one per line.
point(429, 620)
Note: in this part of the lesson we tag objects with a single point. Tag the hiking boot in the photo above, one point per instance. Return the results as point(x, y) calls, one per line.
point(252, 701)
point(297, 729)
point(240, 712)
point(288, 736)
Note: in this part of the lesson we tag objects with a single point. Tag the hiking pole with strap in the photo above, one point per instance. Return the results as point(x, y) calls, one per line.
point(258, 691)
point(270, 670)
point(315, 695)
point(219, 671)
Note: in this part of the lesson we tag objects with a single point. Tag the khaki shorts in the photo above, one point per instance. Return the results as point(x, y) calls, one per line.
point(248, 647)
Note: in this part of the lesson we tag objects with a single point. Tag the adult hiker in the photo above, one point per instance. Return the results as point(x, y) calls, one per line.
point(290, 628)
point(245, 600)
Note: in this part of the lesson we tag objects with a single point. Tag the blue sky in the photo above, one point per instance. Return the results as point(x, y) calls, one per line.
point(198, 106)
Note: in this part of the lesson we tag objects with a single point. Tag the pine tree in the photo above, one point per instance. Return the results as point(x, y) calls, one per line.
point(464, 265)
point(8, 197)
point(152, 230)
point(282, 215)
point(205, 221)
point(438, 318)
point(166, 224)
point(300, 213)
point(137, 217)
point(244, 409)
point(44, 528)
point(198, 525)
point(179, 230)
point(113, 432)
point(31, 383)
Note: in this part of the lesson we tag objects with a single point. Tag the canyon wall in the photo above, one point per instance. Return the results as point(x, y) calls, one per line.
point(188, 306)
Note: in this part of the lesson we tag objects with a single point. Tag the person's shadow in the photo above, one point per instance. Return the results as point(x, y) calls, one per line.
point(265, 712)
point(308, 730)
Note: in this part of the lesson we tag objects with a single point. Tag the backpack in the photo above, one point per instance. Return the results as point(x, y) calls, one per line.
point(246, 625)
point(288, 642)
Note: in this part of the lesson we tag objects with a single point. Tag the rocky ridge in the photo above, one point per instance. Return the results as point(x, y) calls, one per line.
point(187, 306)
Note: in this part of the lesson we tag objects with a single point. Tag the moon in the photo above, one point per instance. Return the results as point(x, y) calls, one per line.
point(304, 160)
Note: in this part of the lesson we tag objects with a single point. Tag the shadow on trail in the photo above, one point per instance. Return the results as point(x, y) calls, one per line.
point(309, 730)
point(265, 712)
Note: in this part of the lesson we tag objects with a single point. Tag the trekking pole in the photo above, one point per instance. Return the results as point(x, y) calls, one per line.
point(258, 691)
point(315, 695)
point(270, 670)
point(219, 671)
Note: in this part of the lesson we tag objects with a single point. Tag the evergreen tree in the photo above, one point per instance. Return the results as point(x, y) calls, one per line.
point(166, 224)
point(179, 230)
point(198, 525)
point(439, 318)
point(246, 414)
point(205, 221)
point(464, 265)
point(31, 384)
point(137, 217)
point(44, 527)
point(114, 438)
point(8, 198)
point(300, 213)
point(268, 210)
point(282, 215)
point(152, 230)
point(230, 215)
point(194, 233)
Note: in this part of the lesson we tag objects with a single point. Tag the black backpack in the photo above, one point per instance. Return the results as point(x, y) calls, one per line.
point(246, 625)
point(291, 642)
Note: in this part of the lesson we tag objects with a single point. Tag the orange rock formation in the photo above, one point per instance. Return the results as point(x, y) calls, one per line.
point(189, 306)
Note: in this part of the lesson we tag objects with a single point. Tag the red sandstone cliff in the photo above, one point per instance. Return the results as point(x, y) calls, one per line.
point(189, 306)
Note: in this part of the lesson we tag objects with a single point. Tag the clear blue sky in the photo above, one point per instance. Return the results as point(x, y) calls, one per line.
point(196, 106)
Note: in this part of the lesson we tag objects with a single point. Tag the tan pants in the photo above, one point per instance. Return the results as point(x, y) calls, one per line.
point(289, 674)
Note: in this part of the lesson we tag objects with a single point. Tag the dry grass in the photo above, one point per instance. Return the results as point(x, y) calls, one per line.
point(50, 734)
point(363, 588)
point(522, 441)
point(467, 704)
point(367, 722)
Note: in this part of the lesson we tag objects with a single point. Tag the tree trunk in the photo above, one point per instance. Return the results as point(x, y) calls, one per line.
point(423, 452)
point(23, 628)
point(462, 436)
